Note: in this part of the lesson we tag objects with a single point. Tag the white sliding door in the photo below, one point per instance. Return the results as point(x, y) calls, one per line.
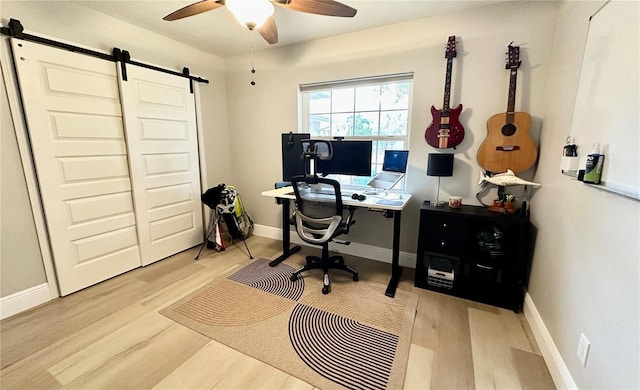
point(72, 106)
point(161, 134)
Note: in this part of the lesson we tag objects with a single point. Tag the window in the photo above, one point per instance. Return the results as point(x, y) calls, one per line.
point(376, 108)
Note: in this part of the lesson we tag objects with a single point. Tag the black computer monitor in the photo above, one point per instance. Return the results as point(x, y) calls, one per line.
point(350, 157)
point(293, 163)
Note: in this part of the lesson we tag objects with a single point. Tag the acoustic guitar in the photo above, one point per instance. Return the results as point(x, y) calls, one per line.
point(508, 144)
point(445, 130)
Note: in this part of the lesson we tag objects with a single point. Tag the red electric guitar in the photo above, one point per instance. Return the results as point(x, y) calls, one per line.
point(445, 131)
point(508, 144)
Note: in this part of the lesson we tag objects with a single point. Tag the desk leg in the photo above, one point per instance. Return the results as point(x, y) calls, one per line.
point(286, 235)
point(396, 270)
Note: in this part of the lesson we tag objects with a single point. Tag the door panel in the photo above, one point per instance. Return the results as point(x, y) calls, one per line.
point(88, 168)
point(160, 197)
point(71, 103)
point(96, 247)
point(163, 158)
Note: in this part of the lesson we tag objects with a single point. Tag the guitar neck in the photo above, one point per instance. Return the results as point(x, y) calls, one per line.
point(511, 102)
point(447, 88)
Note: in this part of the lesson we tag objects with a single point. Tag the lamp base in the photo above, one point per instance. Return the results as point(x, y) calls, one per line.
point(437, 202)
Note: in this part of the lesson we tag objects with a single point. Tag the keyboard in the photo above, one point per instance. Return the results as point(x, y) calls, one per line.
point(323, 192)
point(346, 193)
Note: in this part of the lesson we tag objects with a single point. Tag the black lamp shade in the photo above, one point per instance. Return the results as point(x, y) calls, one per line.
point(440, 164)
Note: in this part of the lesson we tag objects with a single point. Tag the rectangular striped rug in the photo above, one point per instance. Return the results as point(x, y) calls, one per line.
point(355, 337)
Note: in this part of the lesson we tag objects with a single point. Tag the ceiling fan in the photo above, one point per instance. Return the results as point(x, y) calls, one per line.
point(258, 14)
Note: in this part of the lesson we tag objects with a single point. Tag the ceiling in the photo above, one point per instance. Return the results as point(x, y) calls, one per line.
point(218, 33)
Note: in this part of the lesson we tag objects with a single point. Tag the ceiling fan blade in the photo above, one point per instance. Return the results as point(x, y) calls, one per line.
point(318, 7)
point(194, 9)
point(269, 31)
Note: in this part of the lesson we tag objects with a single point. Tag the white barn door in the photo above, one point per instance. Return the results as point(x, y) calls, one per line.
point(73, 113)
point(160, 122)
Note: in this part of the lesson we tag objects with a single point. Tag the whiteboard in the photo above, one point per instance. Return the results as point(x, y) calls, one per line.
point(607, 104)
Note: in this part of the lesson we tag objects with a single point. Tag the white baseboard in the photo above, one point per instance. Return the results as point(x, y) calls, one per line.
point(23, 300)
point(406, 259)
point(557, 368)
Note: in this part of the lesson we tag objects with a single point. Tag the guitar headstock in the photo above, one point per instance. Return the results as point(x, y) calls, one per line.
point(513, 57)
point(451, 47)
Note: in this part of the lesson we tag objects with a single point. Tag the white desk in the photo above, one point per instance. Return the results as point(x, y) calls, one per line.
point(391, 202)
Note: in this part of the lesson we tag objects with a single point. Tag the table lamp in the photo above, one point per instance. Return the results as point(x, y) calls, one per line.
point(439, 164)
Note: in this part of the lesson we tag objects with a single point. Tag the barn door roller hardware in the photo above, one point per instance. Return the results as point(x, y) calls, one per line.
point(16, 30)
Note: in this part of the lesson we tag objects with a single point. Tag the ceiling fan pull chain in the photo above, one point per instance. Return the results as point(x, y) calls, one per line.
point(253, 70)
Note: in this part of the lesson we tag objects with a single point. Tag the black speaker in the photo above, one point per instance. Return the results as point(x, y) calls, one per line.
point(293, 163)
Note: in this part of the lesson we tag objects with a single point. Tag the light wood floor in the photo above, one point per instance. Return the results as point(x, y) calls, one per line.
point(111, 336)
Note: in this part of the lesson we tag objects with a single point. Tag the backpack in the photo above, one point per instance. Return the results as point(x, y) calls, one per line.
point(231, 209)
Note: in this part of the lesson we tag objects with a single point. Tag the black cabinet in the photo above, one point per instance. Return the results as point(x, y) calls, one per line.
point(474, 253)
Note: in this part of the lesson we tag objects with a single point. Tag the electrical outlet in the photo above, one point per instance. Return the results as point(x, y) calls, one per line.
point(583, 349)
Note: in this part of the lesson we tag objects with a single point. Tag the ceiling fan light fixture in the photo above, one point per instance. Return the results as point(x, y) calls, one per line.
point(250, 13)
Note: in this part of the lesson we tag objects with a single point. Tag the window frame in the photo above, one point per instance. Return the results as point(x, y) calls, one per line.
point(374, 81)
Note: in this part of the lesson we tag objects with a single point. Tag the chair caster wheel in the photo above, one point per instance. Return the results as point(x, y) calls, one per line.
point(355, 278)
point(294, 277)
point(325, 290)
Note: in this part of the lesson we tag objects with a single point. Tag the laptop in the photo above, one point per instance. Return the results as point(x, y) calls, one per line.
point(394, 167)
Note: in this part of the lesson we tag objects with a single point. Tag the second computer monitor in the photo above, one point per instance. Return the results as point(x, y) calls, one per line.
point(293, 162)
point(350, 157)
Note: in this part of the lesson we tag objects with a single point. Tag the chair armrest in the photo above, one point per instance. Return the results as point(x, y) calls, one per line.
point(348, 221)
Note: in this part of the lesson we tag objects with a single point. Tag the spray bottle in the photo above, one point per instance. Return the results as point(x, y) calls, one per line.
point(593, 169)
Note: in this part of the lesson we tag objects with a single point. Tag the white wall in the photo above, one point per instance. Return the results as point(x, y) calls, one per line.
point(72, 23)
point(258, 114)
point(19, 240)
point(585, 275)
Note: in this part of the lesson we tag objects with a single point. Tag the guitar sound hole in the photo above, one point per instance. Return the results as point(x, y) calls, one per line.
point(508, 129)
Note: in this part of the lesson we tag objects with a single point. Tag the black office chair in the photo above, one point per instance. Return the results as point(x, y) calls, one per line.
point(319, 218)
